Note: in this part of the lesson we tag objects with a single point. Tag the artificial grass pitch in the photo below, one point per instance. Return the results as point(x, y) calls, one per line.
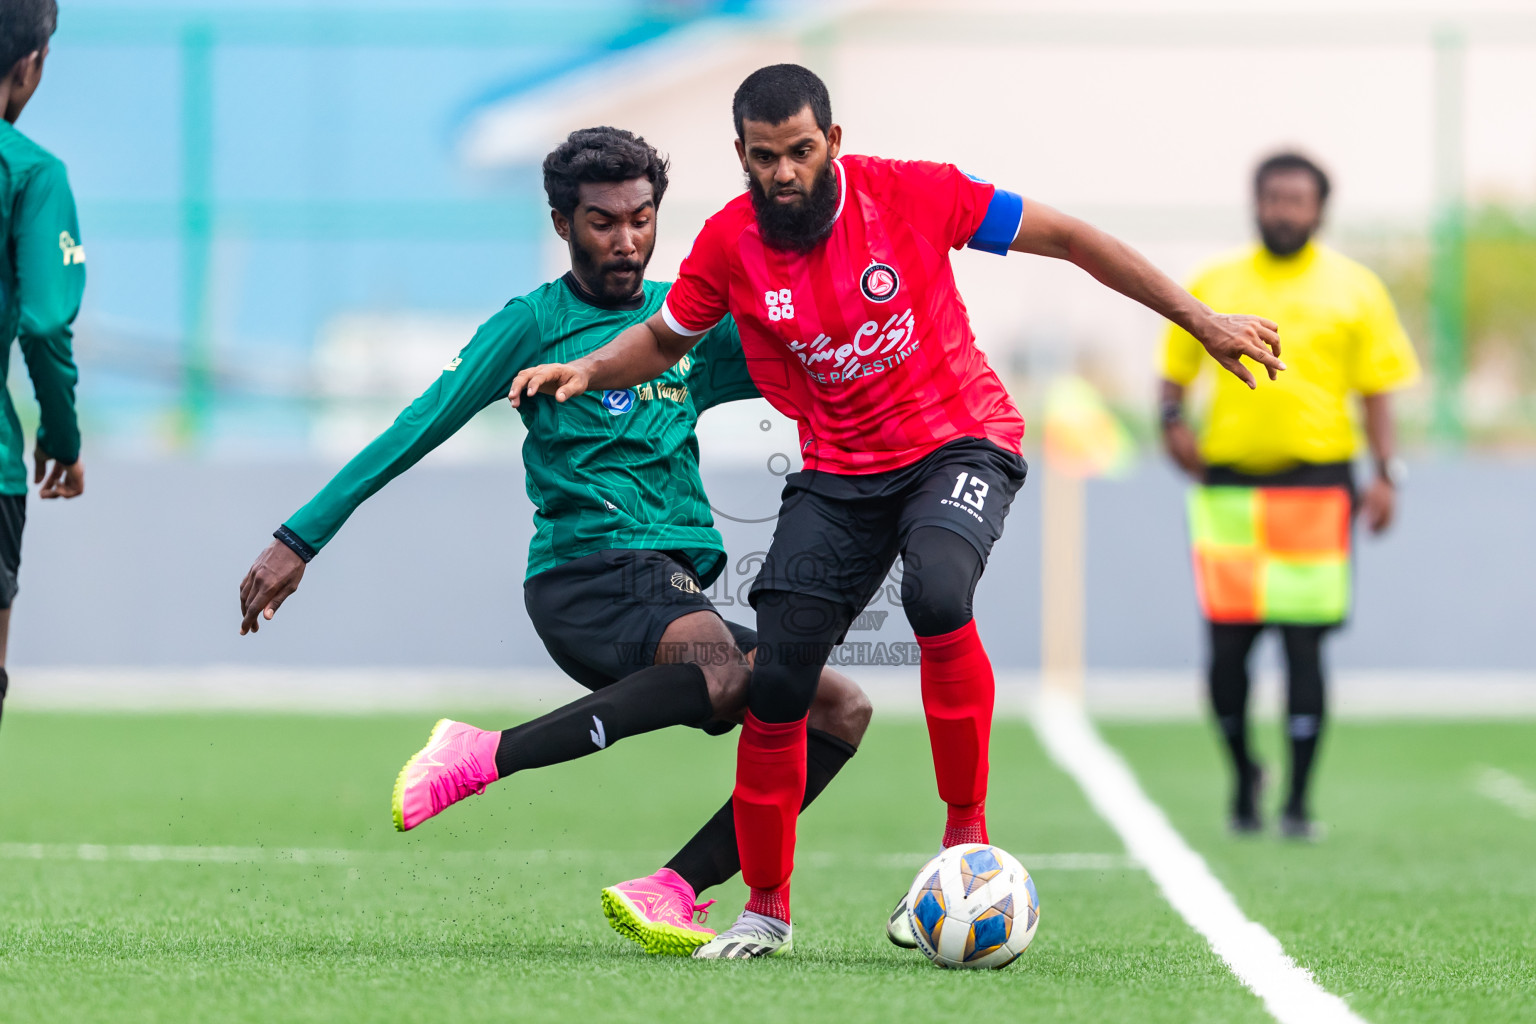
point(189, 905)
point(1421, 903)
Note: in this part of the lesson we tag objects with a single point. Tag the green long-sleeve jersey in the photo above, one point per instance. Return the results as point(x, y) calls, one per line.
point(610, 469)
point(42, 277)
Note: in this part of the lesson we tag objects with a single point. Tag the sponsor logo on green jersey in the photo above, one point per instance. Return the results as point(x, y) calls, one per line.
point(619, 402)
point(73, 251)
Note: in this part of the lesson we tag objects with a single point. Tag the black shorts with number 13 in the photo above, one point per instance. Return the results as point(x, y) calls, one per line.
point(838, 536)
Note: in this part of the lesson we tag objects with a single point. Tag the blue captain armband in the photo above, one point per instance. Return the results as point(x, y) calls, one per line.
point(1001, 225)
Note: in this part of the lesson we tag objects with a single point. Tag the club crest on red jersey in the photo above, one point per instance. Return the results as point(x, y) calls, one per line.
point(879, 282)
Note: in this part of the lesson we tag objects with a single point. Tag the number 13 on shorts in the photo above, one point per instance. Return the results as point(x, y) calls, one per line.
point(970, 489)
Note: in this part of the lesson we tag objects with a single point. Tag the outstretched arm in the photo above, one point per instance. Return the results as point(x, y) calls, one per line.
point(637, 354)
point(426, 423)
point(476, 378)
point(1227, 337)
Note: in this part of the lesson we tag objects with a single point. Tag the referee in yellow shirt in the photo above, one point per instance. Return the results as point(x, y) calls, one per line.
point(1270, 515)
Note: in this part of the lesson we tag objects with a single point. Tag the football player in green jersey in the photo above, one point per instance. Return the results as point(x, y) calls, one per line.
point(624, 546)
point(42, 276)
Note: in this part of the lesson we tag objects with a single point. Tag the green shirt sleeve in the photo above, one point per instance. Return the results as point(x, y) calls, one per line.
point(719, 372)
point(480, 375)
point(50, 279)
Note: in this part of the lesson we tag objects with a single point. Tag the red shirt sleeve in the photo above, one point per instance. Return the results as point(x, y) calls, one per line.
point(700, 296)
point(945, 204)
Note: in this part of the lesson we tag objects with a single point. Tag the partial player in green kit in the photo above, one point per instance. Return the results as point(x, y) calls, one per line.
point(42, 277)
point(624, 546)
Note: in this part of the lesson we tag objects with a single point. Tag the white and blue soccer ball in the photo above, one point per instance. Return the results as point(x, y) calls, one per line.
point(973, 905)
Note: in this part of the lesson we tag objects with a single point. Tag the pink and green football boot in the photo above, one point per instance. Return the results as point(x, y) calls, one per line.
point(458, 761)
point(657, 912)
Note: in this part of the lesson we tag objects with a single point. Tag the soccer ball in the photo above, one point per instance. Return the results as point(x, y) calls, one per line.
point(973, 905)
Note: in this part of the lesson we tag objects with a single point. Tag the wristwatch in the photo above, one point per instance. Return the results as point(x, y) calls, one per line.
point(1394, 470)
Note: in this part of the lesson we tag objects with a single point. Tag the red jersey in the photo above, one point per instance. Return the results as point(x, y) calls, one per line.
point(864, 341)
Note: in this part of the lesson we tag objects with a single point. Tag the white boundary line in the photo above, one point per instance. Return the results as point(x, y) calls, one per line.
point(1033, 861)
point(150, 854)
point(1288, 990)
point(430, 691)
point(1509, 790)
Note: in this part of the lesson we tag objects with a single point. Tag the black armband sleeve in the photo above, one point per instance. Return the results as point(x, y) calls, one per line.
point(296, 543)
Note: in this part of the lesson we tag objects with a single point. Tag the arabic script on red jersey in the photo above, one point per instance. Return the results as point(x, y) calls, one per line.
point(864, 341)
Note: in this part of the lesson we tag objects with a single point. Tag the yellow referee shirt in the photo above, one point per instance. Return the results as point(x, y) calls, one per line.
point(1339, 335)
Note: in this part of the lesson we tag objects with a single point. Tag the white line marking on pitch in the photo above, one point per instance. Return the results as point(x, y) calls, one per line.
point(147, 854)
point(1032, 861)
point(1509, 790)
point(1288, 990)
point(185, 854)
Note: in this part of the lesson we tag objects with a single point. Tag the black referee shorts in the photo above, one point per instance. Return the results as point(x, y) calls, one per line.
point(602, 617)
point(838, 536)
point(13, 519)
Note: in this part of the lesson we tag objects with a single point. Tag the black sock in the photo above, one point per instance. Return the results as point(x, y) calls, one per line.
point(1304, 721)
point(710, 857)
point(5, 684)
point(1304, 731)
point(650, 699)
point(1230, 645)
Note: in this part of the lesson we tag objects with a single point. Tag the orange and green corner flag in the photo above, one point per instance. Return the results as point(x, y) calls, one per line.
point(1083, 437)
point(1271, 554)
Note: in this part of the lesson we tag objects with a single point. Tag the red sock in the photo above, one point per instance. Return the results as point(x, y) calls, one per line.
point(965, 824)
point(958, 694)
point(770, 786)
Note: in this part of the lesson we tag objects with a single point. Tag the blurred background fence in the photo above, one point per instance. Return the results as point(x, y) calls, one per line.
point(295, 212)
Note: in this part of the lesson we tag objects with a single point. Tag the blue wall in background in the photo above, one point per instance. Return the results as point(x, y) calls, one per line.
point(333, 171)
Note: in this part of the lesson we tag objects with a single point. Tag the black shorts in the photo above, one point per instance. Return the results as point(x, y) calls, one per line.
point(13, 519)
point(1306, 474)
point(602, 617)
point(838, 536)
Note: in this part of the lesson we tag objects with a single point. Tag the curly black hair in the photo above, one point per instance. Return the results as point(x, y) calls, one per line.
point(1289, 161)
point(600, 155)
point(25, 26)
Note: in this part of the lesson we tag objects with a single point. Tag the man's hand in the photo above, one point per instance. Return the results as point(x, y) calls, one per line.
point(1380, 504)
point(58, 480)
point(271, 579)
point(563, 380)
point(1184, 449)
point(1230, 336)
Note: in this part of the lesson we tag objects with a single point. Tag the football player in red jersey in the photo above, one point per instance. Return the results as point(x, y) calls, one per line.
point(836, 269)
